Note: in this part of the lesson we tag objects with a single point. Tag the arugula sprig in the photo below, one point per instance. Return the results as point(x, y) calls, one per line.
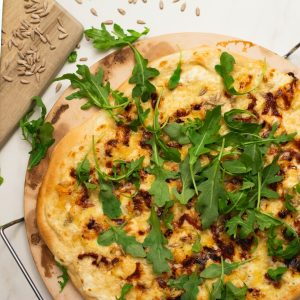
point(277, 273)
point(104, 40)
point(83, 173)
point(64, 277)
point(94, 90)
point(225, 68)
point(188, 283)
point(37, 132)
point(125, 290)
point(72, 57)
point(128, 243)
point(175, 78)
point(157, 254)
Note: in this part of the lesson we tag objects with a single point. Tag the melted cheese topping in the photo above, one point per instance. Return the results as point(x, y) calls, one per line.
point(76, 218)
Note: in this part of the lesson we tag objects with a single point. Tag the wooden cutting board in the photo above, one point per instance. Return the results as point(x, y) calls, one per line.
point(66, 115)
point(38, 35)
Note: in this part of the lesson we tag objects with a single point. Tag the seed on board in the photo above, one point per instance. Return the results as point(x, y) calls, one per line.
point(24, 81)
point(161, 4)
point(94, 12)
point(183, 6)
point(62, 36)
point(60, 22)
point(61, 29)
point(108, 22)
point(7, 78)
point(197, 11)
point(58, 87)
point(78, 46)
point(79, 1)
point(175, 1)
point(52, 47)
point(140, 22)
point(83, 59)
point(122, 11)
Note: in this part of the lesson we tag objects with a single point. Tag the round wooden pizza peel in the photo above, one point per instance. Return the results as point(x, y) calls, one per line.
point(66, 115)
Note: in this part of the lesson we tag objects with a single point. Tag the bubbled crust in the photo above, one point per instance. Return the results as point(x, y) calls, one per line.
point(62, 218)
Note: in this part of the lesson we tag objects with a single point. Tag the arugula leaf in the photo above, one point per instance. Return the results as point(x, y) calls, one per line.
point(177, 133)
point(287, 203)
point(215, 270)
point(1, 180)
point(265, 221)
point(125, 290)
point(72, 57)
point(240, 126)
point(217, 288)
point(64, 276)
point(167, 215)
point(277, 273)
point(197, 245)
point(276, 246)
point(232, 292)
point(187, 193)
point(224, 69)
point(158, 255)
point(245, 225)
point(83, 174)
point(175, 78)
point(103, 40)
point(211, 192)
point(92, 88)
point(207, 134)
point(141, 76)
point(128, 243)
point(37, 132)
point(188, 283)
point(235, 166)
point(159, 188)
point(110, 204)
point(141, 115)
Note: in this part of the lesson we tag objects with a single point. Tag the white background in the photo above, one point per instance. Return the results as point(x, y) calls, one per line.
point(274, 24)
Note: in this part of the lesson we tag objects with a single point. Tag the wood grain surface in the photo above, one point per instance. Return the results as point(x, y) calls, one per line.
point(66, 115)
point(15, 96)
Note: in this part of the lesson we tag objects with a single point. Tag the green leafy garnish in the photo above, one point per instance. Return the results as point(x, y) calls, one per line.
point(196, 248)
point(128, 243)
point(64, 276)
point(72, 57)
point(188, 283)
point(83, 174)
point(231, 292)
point(158, 255)
point(104, 40)
point(141, 76)
point(1, 180)
point(208, 134)
point(125, 290)
point(175, 78)
point(177, 133)
point(215, 270)
point(110, 203)
point(92, 88)
point(37, 132)
point(280, 248)
point(276, 274)
point(225, 68)
point(288, 204)
point(240, 126)
point(211, 192)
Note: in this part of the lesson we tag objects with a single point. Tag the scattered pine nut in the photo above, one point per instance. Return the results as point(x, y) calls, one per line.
point(7, 78)
point(175, 1)
point(79, 1)
point(62, 36)
point(161, 4)
point(83, 59)
point(58, 87)
point(24, 81)
point(94, 12)
point(197, 11)
point(183, 6)
point(108, 22)
point(122, 11)
point(140, 22)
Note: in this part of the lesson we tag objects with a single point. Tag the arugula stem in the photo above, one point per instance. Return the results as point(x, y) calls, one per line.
point(258, 190)
point(193, 178)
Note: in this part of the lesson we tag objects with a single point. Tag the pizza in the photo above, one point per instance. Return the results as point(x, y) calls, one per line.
point(189, 191)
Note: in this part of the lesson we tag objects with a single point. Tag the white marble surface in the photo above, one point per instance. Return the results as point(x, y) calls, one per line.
point(274, 24)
